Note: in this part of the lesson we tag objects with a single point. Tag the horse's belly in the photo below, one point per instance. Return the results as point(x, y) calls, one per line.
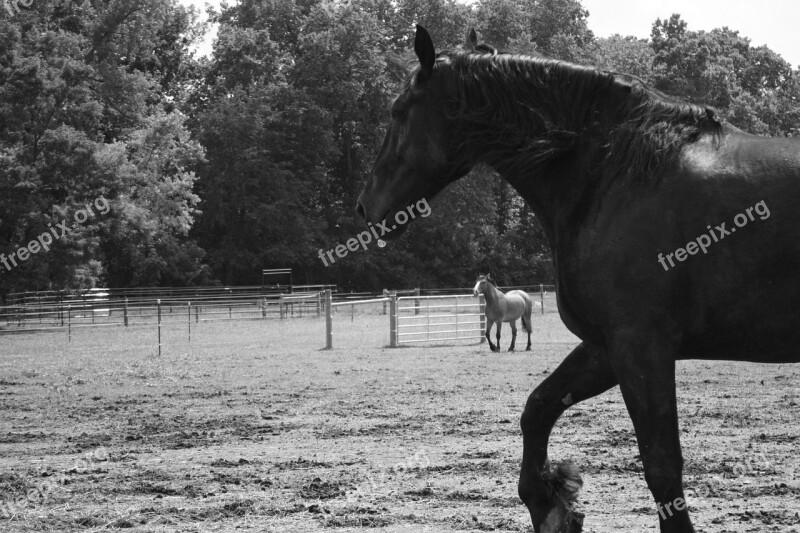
point(767, 331)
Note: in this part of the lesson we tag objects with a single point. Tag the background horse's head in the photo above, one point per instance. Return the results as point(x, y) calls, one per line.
point(482, 284)
point(417, 159)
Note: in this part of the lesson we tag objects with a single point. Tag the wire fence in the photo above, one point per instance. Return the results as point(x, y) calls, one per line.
point(138, 309)
point(145, 311)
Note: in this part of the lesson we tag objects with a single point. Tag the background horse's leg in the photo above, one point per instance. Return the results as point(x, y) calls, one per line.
point(645, 367)
point(586, 372)
point(513, 335)
point(498, 325)
point(488, 331)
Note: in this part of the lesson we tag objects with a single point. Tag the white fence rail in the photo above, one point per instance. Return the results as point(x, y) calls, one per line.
point(431, 319)
point(418, 319)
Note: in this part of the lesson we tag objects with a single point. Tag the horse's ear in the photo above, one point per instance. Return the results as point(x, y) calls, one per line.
point(472, 39)
point(423, 47)
point(489, 277)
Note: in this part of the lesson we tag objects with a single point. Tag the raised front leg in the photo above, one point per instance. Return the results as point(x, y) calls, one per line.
point(488, 335)
point(586, 372)
point(645, 367)
point(513, 336)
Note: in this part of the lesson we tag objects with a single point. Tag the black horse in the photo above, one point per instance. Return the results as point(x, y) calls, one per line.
point(674, 235)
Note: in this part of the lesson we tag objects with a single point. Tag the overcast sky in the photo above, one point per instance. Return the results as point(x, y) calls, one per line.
point(771, 22)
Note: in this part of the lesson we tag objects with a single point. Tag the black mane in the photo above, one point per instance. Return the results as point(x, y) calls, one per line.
point(540, 109)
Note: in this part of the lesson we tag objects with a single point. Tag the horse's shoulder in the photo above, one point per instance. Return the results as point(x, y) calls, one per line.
point(734, 152)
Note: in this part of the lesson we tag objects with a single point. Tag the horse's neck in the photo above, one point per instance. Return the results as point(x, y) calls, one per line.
point(546, 127)
point(493, 295)
point(549, 102)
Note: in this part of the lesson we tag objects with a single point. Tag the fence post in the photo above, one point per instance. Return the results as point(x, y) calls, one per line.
point(393, 319)
point(428, 319)
point(125, 312)
point(456, 310)
point(328, 321)
point(482, 311)
point(69, 323)
point(158, 304)
point(189, 316)
point(197, 314)
point(264, 307)
point(541, 296)
point(319, 298)
point(416, 301)
point(280, 305)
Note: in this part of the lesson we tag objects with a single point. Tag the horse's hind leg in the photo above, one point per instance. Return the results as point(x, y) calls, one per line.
point(526, 322)
point(513, 335)
point(645, 367)
point(585, 373)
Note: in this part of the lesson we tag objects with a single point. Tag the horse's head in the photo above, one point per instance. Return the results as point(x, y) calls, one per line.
point(417, 159)
point(482, 285)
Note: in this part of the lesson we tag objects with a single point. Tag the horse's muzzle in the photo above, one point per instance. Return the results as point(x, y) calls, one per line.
point(360, 211)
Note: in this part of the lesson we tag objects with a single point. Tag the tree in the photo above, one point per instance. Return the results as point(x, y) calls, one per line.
point(268, 144)
point(754, 88)
point(80, 83)
point(626, 55)
point(445, 20)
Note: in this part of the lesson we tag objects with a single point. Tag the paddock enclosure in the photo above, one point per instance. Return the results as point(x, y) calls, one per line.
point(180, 315)
point(253, 426)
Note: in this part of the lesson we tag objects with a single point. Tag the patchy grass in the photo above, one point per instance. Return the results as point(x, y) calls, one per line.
point(252, 427)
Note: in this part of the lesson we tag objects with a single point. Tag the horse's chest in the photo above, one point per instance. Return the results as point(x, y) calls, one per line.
point(571, 307)
point(494, 313)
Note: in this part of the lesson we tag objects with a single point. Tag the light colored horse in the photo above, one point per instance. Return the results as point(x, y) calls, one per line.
point(504, 308)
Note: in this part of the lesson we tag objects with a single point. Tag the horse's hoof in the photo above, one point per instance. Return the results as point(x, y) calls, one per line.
point(528, 349)
point(561, 517)
point(561, 520)
point(511, 349)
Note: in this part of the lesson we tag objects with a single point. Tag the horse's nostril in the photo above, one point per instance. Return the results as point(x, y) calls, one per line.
point(360, 211)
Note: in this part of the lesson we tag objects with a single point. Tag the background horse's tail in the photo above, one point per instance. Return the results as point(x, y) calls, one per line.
point(526, 315)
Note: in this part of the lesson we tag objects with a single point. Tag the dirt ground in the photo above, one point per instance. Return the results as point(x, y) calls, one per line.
point(253, 428)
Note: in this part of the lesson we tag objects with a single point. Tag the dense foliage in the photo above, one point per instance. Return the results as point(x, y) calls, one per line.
point(216, 168)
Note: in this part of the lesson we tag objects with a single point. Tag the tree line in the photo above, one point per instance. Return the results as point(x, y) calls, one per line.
point(215, 168)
